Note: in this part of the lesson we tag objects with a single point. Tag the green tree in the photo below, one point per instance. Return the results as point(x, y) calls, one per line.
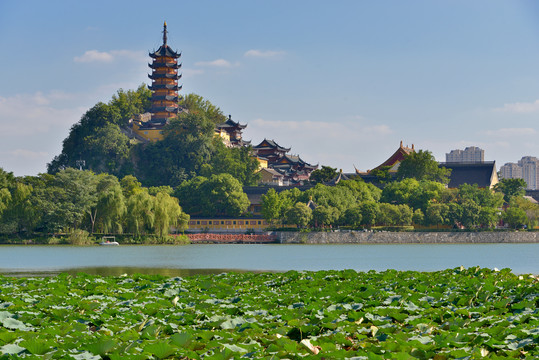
point(515, 217)
point(382, 174)
point(19, 214)
point(470, 214)
point(299, 214)
point(511, 188)
point(488, 217)
point(324, 174)
point(66, 200)
point(272, 205)
point(361, 191)
point(197, 104)
point(168, 213)
point(186, 147)
point(110, 208)
point(106, 150)
point(418, 217)
point(237, 162)
point(130, 186)
point(481, 196)
point(140, 217)
point(369, 213)
point(219, 195)
point(325, 216)
point(131, 102)
point(422, 165)
point(436, 214)
point(531, 210)
point(352, 217)
point(74, 147)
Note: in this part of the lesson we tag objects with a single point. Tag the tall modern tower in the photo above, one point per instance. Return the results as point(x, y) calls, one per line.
point(164, 82)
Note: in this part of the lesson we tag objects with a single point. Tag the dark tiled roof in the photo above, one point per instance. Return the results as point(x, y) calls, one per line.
point(165, 51)
point(231, 124)
point(271, 144)
point(481, 174)
point(533, 193)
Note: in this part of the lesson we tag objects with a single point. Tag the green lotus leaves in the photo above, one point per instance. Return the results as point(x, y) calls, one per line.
point(456, 313)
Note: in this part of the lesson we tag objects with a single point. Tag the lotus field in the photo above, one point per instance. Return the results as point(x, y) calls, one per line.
point(453, 314)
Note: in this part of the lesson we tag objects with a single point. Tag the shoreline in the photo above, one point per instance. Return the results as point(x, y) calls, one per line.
point(363, 237)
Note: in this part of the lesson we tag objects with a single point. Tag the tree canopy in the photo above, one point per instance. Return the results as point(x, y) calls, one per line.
point(422, 165)
point(98, 142)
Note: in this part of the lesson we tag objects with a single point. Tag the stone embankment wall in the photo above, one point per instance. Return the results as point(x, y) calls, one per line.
point(359, 237)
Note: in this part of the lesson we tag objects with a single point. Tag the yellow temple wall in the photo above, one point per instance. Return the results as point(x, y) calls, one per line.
point(149, 134)
point(227, 224)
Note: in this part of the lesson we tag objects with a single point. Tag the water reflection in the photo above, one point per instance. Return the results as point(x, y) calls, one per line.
point(120, 270)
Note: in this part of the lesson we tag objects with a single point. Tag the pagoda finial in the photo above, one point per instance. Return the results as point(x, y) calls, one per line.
point(165, 33)
point(401, 144)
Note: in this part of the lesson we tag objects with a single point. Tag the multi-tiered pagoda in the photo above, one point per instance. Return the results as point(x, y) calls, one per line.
point(149, 126)
point(164, 82)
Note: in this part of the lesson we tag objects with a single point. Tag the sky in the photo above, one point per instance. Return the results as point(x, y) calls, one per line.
point(341, 83)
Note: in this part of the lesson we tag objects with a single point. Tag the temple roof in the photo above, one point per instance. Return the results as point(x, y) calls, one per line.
point(165, 97)
point(165, 51)
point(394, 159)
point(170, 109)
point(231, 124)
point(270, 144)
point(164, 86)
point(170, 65)
point(483, 174)
point(240, 142)
point(164, 76)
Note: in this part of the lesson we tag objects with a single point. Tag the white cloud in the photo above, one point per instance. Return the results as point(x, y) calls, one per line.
point(110, 56)
point(520, 107)
point(219, 63)
point(25, 154)
point(511, 132)
point(263, 54)
point(94, 56)
point(187, 73)
point(338, 143)
point(26, 114)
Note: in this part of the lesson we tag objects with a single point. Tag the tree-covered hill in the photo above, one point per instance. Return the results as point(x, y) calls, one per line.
point(189, 148)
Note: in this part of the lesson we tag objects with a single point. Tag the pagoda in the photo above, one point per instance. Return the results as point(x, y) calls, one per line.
point(164, 83)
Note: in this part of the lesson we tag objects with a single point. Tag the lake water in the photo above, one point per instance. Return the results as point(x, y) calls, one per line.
point(212, 258)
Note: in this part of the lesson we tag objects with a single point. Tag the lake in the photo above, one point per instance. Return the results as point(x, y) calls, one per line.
point(212, 258)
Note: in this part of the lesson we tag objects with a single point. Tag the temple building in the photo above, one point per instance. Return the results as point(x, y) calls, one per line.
point(270, 150)
point(164, 89)
point(393, 162)
point(231, 133)
point(286, 169)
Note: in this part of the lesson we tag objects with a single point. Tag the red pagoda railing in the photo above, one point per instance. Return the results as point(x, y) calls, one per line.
point(232, 238)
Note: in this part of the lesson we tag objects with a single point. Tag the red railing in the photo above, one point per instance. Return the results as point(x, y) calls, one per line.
point(232, 238)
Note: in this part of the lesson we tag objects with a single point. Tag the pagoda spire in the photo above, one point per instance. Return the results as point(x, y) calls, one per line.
point(165, 34)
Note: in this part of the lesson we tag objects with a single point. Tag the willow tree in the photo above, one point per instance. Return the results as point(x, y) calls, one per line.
point(168, 213)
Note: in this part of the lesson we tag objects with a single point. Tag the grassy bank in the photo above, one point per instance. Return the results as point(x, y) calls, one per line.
point(457, 313)
point(81, 237)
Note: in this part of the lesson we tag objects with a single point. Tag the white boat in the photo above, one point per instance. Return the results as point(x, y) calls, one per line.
point(108, 241)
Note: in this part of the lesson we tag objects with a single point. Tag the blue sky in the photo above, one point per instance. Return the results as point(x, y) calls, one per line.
point(341, 83)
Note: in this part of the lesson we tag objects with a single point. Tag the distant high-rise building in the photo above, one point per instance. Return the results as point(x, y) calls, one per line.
point(530, 171)
point(471, 154)
point(511, 171)
point(527, 169)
